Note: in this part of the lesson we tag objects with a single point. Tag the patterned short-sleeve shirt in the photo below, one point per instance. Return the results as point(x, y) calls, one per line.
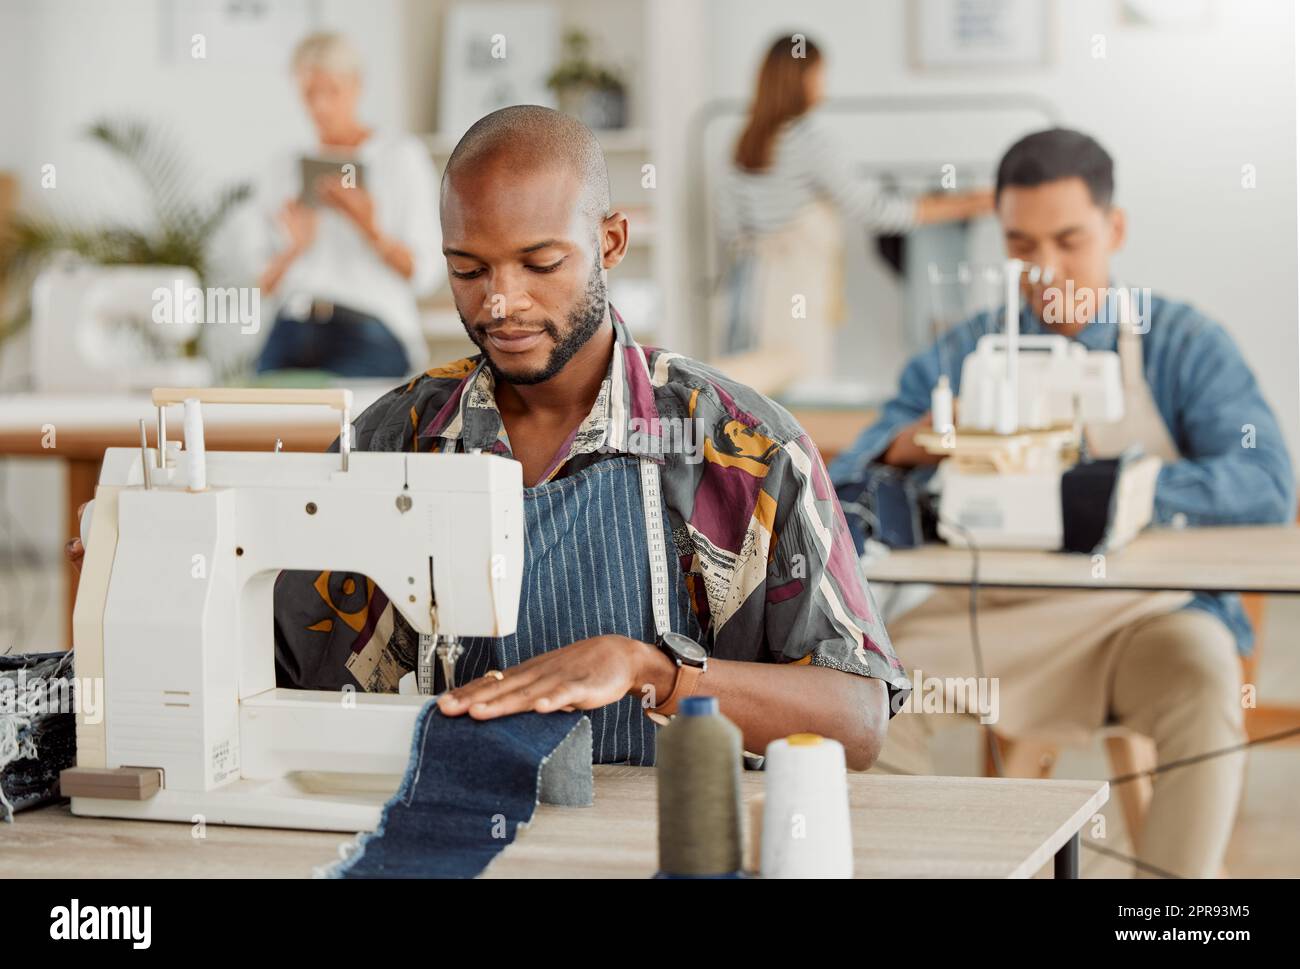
point(769, 562)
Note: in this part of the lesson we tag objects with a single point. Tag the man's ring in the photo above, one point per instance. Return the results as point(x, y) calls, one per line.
point(495, 674)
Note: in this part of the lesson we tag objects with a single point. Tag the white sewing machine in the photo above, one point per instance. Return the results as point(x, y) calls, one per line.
point(94, 329)
point(174, 612)
point(1024, 403)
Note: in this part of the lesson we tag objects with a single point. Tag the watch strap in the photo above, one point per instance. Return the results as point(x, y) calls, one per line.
point(688, 677)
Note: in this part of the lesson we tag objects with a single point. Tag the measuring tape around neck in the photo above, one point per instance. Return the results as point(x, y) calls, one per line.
point(654, 530)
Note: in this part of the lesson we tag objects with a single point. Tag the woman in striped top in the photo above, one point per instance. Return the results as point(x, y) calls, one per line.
point(780, 208)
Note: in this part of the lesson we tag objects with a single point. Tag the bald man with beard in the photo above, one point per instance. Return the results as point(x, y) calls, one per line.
point(767, 609)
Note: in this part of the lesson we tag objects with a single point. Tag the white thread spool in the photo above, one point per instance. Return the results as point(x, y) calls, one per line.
point(198, 465)
point(941, 406)
point(806, 830)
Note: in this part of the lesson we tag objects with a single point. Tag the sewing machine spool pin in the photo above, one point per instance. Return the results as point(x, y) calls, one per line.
point(144, 457)
point(162, 437)
point(345, 436)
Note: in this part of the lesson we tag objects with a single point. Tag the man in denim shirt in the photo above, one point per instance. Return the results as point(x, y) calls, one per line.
point(1164, 665)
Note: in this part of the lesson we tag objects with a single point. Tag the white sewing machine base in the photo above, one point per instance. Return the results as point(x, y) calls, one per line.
point(308, 764)
point(300, 801)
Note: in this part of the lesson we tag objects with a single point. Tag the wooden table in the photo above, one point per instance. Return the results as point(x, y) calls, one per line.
point(1248, 558)
point(903, 827)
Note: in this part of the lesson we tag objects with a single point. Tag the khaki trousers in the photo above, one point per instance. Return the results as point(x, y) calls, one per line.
point(1175, 678)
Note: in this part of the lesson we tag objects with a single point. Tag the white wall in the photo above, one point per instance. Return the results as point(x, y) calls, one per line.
point(1180, 111)
point(83, 59)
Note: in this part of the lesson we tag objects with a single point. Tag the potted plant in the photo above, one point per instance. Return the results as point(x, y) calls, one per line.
point(179, 236)
point(594, 94)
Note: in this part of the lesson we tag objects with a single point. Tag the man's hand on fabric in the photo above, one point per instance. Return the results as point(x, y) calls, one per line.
point(581, 676)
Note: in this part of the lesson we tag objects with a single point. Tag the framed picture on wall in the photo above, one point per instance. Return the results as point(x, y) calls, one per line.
point(495, 54)
point(956, 34)
point(238, 33)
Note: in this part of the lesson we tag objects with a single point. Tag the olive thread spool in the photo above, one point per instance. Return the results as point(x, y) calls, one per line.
point(806, 825)
point(697, 761)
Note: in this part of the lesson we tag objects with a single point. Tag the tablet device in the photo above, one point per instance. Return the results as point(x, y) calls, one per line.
point(312, 168)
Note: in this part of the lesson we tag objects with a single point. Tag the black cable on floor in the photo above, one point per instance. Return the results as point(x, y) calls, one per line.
point(1209, 755)
point(1120, 856)
point(995, 752)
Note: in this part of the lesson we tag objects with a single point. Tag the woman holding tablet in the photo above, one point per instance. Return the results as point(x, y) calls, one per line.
point(356, 246)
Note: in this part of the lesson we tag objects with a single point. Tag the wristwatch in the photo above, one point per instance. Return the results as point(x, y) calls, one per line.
point(691, 660)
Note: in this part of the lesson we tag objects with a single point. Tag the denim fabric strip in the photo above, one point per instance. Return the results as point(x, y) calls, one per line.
point(468, 787)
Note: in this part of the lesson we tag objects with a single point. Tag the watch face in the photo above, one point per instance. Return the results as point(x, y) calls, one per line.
point(685, 648)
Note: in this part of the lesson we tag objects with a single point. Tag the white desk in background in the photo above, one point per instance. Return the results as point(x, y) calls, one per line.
point(1246, 558)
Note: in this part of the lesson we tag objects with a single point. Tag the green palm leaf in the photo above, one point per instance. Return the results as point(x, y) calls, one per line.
point(182, 226)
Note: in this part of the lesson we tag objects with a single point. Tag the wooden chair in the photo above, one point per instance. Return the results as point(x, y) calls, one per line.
point(1131, 753)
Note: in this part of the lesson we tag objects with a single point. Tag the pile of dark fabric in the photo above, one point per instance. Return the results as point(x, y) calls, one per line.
point(37, 728)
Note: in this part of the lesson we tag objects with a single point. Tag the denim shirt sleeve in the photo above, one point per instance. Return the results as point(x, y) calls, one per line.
point(1235, 467)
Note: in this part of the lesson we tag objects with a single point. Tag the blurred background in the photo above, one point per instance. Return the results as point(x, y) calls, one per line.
point(146, 132)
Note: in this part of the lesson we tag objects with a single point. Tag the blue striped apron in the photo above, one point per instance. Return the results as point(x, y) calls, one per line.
point(587, 573)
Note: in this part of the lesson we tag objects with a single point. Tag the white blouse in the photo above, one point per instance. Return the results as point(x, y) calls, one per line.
point(341, 266)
